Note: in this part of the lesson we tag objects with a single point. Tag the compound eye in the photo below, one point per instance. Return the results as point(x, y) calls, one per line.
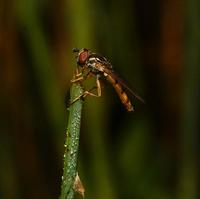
point(83, 56)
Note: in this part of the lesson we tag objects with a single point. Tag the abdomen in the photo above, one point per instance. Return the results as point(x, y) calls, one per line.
point(120, 91)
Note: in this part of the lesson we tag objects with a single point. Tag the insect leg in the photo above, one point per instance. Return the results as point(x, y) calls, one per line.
point(81, 77)
point(98, 87)
point(78, 76)
point(86, 93)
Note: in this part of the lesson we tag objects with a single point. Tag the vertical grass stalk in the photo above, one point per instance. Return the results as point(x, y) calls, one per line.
point(72, 144)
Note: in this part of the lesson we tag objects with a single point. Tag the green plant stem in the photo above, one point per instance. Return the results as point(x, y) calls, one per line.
point(72, 143)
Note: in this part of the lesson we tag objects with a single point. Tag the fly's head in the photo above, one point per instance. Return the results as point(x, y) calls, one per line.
point(82, 56)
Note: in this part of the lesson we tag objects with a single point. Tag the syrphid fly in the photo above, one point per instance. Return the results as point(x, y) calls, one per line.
point(98, 66)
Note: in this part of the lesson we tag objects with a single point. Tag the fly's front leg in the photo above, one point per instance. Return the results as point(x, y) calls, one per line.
point(86, 93)
point(78, 75)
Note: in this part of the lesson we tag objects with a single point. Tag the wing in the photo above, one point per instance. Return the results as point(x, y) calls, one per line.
point(123, 83)
point(105, 66)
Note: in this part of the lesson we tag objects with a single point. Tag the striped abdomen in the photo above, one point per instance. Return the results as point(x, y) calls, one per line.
point(121, 93)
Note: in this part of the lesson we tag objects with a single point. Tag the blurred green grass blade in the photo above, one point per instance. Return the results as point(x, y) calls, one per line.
point(28, 17)
point(188, 182)
point(83, 35)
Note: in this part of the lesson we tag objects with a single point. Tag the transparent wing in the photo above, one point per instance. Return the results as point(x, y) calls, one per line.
point(124, 84)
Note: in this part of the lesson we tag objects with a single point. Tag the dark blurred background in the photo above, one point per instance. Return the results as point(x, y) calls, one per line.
point(152, 153)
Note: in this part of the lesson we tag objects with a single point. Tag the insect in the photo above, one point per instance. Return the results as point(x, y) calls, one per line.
point(98, 66)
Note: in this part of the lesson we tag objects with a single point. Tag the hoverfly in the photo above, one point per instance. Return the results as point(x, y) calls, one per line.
point(98, 66)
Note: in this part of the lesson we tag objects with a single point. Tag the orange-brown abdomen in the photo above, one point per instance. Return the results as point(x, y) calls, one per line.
point(121, 93)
